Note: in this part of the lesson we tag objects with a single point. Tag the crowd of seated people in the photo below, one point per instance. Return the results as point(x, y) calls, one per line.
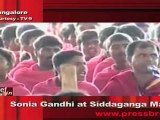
point(80, 59)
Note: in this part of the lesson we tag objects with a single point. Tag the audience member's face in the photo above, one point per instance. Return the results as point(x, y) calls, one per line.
point(6, 44)
point(144, 58)
point(29, 48)
point(90, 48)
point(45, 55)
point(11, 45)
point(80, 64)
point(3, 67)
point(72, 39)
point(117, 50)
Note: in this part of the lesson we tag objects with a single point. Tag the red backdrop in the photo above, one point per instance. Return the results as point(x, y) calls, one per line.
point(101, 10)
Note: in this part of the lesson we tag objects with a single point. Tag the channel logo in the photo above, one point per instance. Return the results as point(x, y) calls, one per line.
point(6, 91)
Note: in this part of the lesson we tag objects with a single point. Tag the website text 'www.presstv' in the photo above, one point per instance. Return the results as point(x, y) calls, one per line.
point(127, 114)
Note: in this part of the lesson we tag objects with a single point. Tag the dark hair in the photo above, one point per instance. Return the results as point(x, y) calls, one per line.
point(86, 35)
point(67, 29)
point(4, 24)
point(9, 56)
point(71, 93)
point(157, 32)
point(46, 40)
point(29, 34)
point(85, 23)
point(116, 37)
point(142, 24)
point(132, 30)
point(105, 33)
point(139, 44)
point(64, 56)
point(69, 96)
point(119, 23)
point(1, 42)
point(24, 56)
point(9, 33)
point(20, 29)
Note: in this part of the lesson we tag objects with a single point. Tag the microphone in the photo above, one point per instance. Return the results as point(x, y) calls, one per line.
point(155, 71)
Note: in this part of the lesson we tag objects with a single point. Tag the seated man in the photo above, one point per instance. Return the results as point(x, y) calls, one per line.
point(8, 35)
point(26, 41)
point(44, 48)
point(142, 80)
point(26, 45)
point(54, 85)
point(130, 29)
point(6, 63)
point(88, 43)
point(117, 44)
point(67, 33)
point(9, 39)
point(93, 62)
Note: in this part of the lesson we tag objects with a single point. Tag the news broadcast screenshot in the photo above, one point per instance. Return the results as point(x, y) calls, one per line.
point(63, 60)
